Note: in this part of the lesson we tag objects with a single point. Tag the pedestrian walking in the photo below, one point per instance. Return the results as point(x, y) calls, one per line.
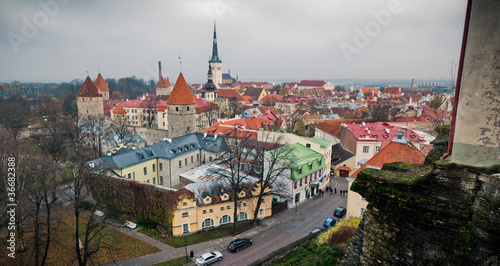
point(331, 191)
point(335, 189)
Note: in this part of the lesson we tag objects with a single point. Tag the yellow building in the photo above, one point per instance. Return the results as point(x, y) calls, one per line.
point(212, 206)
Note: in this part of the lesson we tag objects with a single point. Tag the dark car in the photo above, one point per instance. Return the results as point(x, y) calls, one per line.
point(339, 212)
point(238, 244)
point(329, 222)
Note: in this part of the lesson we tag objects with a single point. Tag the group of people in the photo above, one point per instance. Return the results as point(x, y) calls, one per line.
point(334, 190)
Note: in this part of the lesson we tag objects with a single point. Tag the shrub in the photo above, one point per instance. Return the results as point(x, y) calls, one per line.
point(147, 223)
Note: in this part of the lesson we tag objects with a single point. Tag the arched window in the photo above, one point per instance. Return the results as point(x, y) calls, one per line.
point(225, 219)
point(177, 109)
point(188, 108)
point(242, 216)
point(209, 222)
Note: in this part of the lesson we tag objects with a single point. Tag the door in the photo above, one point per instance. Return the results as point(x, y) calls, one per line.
point(344, 173)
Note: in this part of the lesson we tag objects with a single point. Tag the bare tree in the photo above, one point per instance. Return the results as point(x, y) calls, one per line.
point(14, 114)
point(233, 108)
point(380, 111)
point(233, 171)
point(277, 159)
point(211, 114)
point(151, 111)
point(121, 131)
point(93, 130)
point(41, 188)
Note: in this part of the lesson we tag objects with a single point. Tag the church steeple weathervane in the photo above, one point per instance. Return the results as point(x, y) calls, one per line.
point(215, 54)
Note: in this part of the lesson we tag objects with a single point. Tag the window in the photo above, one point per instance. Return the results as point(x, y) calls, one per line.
point(244, 204)
point(221, 208)
point(185, 228)
point(185, 214)
point(377, 148)
point(184, 204)
point(300, 171)
point(192, 159)
point(129, 175)
point(154, 167)
point(211, 210)
point(204, 211)
point(225, 219)
point(262, 201)
point(209, 222)
point(154, 180)
point(300, 182)
point(310, 166)
point(180, 164)
point(228, 207)
point(297, 198)
point(366, 149)
point(133, 174)
point(197, 157)
point(261, 213)
point(295, 184)
point(363, 199)
point(145, 170)
point(210, 158)
point(147, 181)
point(161, 167)
point(177, 109)
point(242, 216)
point(251, 154)
point(160, 181)
point(248, 167)
point(258, 169)
point(308, 145)
point(361, 211)
point(186, 161)
point(188, 108)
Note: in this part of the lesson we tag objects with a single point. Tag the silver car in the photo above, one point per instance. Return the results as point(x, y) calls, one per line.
point(208, 258)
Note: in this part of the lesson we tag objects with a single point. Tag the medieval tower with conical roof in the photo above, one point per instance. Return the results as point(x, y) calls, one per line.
point(181, 107)
point(215, 63)
point(102, 87)
point(89, 100)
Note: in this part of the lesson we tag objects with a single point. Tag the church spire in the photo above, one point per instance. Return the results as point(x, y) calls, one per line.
point(215, 54)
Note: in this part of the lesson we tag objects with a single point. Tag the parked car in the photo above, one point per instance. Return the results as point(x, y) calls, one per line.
point(339, 212)
point(208, 258)
point(239, 244)
point(329, 222)
point(316, 231)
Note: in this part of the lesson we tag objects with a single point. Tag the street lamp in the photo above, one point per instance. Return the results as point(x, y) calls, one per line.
point(185, 245)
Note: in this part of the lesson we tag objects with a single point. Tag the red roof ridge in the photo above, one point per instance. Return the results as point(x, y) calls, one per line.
point(88, 89)
point(119, 110)
point(101, 83)
point(181, 94)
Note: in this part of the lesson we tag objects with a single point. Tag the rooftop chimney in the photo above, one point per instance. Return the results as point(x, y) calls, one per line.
point(159, 71)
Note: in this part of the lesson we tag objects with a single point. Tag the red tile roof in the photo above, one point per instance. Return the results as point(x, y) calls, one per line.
point(181, 94)
point(380, 132)
point(394, 152)
point(370, 92)
point(230, 94)
point(312, 83)
point(88, 89)
point(119, 110)
point(163, 83)
point(100, 83)
point(392, 90)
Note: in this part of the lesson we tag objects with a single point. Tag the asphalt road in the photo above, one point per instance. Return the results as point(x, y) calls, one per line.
point(291, 227)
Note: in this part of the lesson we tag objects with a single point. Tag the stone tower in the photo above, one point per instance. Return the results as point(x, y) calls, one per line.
point(181, 107)
point(89, 100)
point(102, 87)
point(215, 63)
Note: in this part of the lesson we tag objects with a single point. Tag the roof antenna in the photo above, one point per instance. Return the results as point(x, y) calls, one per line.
point(180, 62)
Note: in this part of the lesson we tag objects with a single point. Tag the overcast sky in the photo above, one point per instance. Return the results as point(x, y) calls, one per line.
point(258, 40)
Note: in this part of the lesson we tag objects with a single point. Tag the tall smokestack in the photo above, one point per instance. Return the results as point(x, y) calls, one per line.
point(159, 70)
point(411, 83)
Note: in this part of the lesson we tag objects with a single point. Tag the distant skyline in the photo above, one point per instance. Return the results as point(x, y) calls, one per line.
point(57, 41)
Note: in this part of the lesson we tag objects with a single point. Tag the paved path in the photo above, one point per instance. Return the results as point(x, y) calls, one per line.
point(273, 234)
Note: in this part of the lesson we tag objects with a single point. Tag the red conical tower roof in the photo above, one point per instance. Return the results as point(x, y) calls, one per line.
point(100, 83)
point(181, 94)
point(88, 89)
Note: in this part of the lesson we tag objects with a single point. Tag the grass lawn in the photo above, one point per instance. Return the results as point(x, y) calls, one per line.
point(195, 238)
point(62, 248)
point(174, 262)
